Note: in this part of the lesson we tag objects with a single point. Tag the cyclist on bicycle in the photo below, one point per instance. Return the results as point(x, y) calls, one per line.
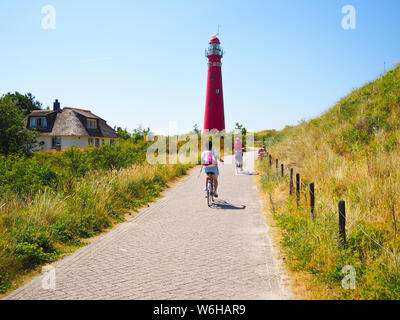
point(209, 160)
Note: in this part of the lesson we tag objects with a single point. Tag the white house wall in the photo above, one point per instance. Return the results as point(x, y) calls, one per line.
point(69, 142)
point(46, 143)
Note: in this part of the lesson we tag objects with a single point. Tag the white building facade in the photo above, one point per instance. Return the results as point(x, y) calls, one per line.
point(65, 128)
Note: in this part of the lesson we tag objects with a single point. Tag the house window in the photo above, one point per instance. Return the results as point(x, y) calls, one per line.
point(97, 142)
point(210, 104)
point(90, 141)
point(91, 123)
point(55, 141)
point(39, 122)
point(211, 78)
point(217, 91)
point(42, 145)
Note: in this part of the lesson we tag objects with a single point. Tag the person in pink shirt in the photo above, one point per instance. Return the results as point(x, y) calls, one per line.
point(210, 159)
point(238, 148)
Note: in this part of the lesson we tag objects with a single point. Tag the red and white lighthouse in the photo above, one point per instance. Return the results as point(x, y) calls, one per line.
point(214, 120)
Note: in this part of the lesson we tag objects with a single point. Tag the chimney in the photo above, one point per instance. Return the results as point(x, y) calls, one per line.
point(56, 106)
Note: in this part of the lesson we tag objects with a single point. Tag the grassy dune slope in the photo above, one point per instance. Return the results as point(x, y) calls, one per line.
point(352, 153)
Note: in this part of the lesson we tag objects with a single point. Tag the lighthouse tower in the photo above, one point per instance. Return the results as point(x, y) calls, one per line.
point(214, 120)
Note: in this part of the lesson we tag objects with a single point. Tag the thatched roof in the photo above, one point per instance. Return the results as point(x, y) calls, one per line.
point(72, 122)
point(40, 113)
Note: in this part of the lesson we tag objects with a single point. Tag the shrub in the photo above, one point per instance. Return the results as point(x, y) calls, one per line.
point(31, 255)
point(5, 283)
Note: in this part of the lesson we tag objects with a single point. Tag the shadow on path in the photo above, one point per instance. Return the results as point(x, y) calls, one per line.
point(223, 205)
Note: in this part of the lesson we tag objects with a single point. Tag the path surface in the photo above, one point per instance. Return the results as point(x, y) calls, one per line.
point(179, 249)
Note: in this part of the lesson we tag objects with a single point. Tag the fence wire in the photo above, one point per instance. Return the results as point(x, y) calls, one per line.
point(327, 206)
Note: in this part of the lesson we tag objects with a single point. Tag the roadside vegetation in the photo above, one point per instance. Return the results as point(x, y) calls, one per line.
point(351, 153)
point(51, 201)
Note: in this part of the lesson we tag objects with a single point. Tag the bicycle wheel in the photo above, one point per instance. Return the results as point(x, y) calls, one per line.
point(212, 191)
point(209, 195)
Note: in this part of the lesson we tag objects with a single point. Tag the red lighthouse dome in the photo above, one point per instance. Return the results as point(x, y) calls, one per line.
point(214, 119)
point(214, 39)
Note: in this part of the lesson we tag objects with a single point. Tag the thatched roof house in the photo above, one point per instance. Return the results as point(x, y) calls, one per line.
point(67, 127)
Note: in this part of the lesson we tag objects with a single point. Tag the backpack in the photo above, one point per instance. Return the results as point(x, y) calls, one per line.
point(209, 158)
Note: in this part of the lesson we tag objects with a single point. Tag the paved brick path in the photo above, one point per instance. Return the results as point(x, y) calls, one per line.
point(178, 249)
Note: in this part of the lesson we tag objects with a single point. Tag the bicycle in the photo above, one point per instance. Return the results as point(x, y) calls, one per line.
point(210, 189)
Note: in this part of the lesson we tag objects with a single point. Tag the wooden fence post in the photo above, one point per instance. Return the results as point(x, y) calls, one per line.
point(291, 182)
point(277, 166)
point(298, 188)
point(342, 222)
point(282, 170)
point(312, 199)
point(270, 161)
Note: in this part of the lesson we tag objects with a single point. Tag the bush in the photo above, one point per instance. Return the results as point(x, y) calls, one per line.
point(26, 176)
point(31, 255)
point(5, 283)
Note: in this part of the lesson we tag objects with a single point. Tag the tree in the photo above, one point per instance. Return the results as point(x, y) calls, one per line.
point(25, 103)
point(239, 127)
point(137, 134)
point(140, 133)
point(123, 133)
point(15, 138)
point(196, 130)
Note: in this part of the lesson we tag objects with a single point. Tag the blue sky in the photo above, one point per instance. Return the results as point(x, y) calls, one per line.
point(142, 62)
